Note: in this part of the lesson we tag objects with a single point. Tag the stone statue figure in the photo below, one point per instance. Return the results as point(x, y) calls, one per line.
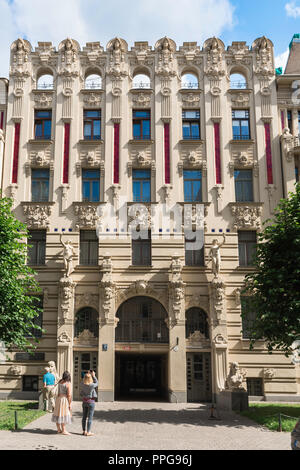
point(52, 369)
point(68, 254)
point(215, 255)
point(236, 377)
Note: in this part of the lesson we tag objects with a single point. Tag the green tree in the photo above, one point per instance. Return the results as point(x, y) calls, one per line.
point(274, 288)
point(18, 287)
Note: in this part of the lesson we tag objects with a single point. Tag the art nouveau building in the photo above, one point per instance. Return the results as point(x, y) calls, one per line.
point(93, 134)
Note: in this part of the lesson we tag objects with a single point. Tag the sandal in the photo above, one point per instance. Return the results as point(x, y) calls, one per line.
point(90, 434)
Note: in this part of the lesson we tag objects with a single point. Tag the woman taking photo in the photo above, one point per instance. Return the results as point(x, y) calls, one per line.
point(89, 395)
point(62, 413)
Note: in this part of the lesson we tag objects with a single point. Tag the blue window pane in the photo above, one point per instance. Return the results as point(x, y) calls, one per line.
point(91, 174)
point(40, 174)
point(86, 190)
point(186, 130)
point(136, 129)
point(195, 130)
point(136, 191)
point(87, 130)
point(187, 191)
point(95, 191)
point(92, 114)
point(97, 129)
point(197, 193)
point(146, 191)
point(38, 130)
point(43, 114)
point(47, 129)
point(141, 114)
point(145, 174)
point(146, 128)
point(192, 174)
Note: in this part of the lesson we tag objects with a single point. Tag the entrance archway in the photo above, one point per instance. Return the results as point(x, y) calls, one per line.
point(141, 371)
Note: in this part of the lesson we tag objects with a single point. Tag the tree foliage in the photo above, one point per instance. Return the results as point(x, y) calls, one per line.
point(18, 287)
point(274, 288)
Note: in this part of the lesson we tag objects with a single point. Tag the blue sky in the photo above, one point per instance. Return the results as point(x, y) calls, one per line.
point(182, 20)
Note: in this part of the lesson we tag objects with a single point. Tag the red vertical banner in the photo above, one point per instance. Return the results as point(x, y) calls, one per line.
point(269, 153)
point(116, 153)
point(167, 153)
point(218, 153)
point(2, 120)
point(66, 153)
point(282, 120)
point(16, 153)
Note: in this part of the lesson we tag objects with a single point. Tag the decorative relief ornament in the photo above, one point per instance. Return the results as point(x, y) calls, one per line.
point(220, 340)
point(86, 337)
point(64, 338)
point(214, 49)
point(215, 255)
point(141, 51)
point(190, 99)
point(116, 91)
point(20, 51)
point(69, 50)
point(46, 52)
point(166, 48)
point(68, 254)
point(93, 51)
point(264, 57)
point(191, 53)
point(216, 91)
point(166, 91)
point(15, 370)
point(241, 99)
point(67, 290)
point(43, 100)
point(37, 215)
point(240, 54)
point(86, 300)
point(92, 99)
point(88, 216)
point(246, 217)
point(236, 377)
point(117, 49)
point(269, 374)
point(288, 144)
point(217, 288)
point(142, 99)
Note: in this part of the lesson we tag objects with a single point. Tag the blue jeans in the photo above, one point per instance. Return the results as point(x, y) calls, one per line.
point(88, 413)
point(294, 445)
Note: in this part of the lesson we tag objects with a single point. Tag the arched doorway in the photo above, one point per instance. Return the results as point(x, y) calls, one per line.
point(86, 333)
point(199, 383)
point(142, 339)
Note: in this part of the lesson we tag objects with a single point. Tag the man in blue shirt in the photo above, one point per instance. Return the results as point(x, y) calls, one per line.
point(49, 383)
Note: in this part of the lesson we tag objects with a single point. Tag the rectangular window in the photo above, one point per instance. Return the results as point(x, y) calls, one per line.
point(290, 121)
point(241, 124)
point(141, 185)
point(192, 185)
point(89, 246)
point(255, 387)
point(141, 250)
point(298, 122)
point(37, 251)
point(191, 125)
point(91, 185)
point(40, 185)
point(247, 248)
point(42, 124)
point(194, 249)
point(30, 383)
point(35, 333)
point(248, 318)
point(92, 124)
point(243, 185)
point(141, 125)
point(297, 174)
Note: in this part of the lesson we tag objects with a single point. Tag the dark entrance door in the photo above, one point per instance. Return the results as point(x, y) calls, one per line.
point(140, 377)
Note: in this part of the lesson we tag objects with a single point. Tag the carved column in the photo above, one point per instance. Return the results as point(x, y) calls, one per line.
point(65, 334)
point(177, 355)
point(107, 332)
point(288, 143)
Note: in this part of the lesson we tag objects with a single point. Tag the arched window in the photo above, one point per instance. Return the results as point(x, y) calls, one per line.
point(189, 81)
point(238, 81)
point(45, 82)
point(141, 81)
point(93, 82)
point(142, 319)
point(86, 319)
point(196, 320)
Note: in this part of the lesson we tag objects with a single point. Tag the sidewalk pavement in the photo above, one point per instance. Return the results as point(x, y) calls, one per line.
point(148, 426)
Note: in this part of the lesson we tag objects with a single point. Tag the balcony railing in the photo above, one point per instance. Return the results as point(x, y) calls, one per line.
point(238, 85)
point(189, 86)
point(91, 84)
point(142, 331)
point(142, 85)
point(45, 86)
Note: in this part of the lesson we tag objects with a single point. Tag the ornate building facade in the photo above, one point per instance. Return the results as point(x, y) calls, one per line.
point(121, 162)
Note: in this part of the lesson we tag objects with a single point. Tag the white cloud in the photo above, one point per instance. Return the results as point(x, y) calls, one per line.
point(100, 20)
point(292, 10)
point(281, 59)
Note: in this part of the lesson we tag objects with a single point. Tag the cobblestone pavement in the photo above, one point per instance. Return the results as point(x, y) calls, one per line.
point(148, 426)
